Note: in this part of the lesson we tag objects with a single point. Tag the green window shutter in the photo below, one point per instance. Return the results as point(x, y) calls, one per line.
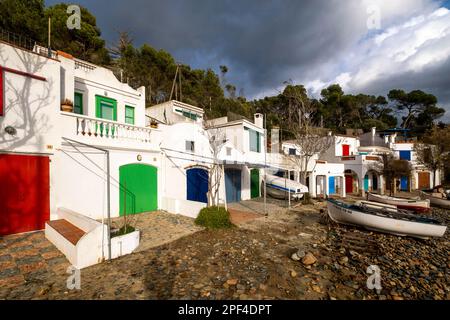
point(254, 141)
point(106, 108)
point(129, 115)
point(78, 103)
point(258, 142)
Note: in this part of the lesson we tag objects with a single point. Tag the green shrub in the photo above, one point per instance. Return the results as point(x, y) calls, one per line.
point(214, 218)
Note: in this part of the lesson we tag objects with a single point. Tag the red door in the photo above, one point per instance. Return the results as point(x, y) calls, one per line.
point(348, 184)
point(345, 150)
point(24, 195)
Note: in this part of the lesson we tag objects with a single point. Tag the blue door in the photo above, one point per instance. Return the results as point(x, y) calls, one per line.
point(366, 182)
point(197, 185)
point(404, 184)
point(233, 185)
point(331, 185)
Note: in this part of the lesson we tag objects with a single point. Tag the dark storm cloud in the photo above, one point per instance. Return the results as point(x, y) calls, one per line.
point(264, 43)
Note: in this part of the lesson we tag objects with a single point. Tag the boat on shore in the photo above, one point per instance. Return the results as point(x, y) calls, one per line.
point(280, 188)
point(435, 200)
point(416, 205)
point(389, 221)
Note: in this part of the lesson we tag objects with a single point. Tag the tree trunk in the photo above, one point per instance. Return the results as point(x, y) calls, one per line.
point(434, 178)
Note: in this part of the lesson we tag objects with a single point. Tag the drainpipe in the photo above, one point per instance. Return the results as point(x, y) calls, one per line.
point(108, 197)
point(108, 187)
point(265, 164)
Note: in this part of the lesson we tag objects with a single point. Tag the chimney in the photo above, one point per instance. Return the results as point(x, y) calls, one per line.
point(374, 131)
point(393, 137)
point(259, 120)
point(330, 133)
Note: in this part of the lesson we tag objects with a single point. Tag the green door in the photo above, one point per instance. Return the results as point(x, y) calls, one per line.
point(254, 183)
point(138, 189)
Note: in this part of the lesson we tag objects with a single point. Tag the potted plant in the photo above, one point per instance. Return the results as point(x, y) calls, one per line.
point(154, 124)
point(67, 105)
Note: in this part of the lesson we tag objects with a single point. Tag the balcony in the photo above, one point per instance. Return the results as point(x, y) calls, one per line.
point(101, 132)
point(360, 158)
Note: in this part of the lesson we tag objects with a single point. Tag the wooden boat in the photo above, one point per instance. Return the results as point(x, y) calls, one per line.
point(388, 221)
point(279, 188)
point(377, 205)
point(435, 201)
point(401, 203)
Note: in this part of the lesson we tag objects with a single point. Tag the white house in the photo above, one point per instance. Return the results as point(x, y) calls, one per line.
point(361, 164)
point(324, 178)
point(421, 177)
point(402, 148)
point(57, 164)
point(243, 177)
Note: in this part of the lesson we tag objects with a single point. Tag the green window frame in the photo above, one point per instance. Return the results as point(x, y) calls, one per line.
point(78, 103)
point(255, 140)
point(129, 115)
point(102, 104)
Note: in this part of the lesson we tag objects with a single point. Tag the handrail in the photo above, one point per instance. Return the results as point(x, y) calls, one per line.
point(82, 116)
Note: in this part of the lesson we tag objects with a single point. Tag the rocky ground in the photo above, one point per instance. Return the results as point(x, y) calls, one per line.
point(286, 255)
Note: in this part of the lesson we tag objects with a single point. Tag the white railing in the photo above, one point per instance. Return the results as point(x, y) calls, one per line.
point(110, 130)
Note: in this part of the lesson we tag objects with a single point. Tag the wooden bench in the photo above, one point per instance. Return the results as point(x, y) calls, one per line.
point(67, 230)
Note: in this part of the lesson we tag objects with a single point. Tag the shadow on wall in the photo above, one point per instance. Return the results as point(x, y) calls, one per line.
point(32, 122)
point(86, 160)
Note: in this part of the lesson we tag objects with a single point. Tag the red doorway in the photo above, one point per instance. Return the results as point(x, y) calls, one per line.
point(25, 199)
point(348, 184)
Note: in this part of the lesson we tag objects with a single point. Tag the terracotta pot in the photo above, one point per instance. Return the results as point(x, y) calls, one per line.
point(67, 108)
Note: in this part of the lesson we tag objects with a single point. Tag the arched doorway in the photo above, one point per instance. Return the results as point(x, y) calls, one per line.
point(138, 188)
point(197, 185)
point(371, 181)
point(351, 182)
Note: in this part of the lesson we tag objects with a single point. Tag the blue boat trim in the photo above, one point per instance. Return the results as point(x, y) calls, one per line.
point(281, 188)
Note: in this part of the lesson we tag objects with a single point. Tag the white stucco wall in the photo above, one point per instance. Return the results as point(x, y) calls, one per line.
point(31, 106)
point(79, 179)
point(100, 81)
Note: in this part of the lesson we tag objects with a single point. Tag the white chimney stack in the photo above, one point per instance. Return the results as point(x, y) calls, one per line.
point(259, 120)
point(374, 131)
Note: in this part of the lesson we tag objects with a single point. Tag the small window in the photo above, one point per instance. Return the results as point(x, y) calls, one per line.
point(129, 115)
point(190, 146)
point(228, 151)
point(255, 141)
point(346, 150)
point(78, 103)
point(292, 152)
point(405, 155)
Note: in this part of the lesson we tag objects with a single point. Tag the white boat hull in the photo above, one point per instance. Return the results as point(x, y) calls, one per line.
point(415, 205)
point(442, 203)
point(347, 215)
point(280, 188)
